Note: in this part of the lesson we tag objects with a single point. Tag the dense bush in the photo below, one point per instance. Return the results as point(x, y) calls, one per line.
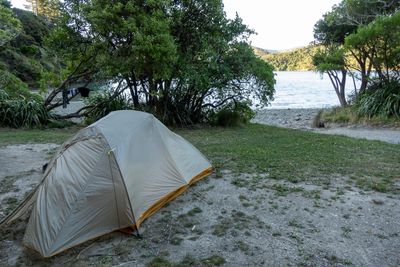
point(22, 112)
point(380, 99)
point(103, 103)
point(26, 56)
point(233, 114)
point(179, 61)
point(14, 88)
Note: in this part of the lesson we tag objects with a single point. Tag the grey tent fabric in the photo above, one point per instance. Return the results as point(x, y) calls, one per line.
point(109, 176)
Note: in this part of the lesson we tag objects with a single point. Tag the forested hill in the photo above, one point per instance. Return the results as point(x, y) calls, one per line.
point(289, 60)
point(25, 58)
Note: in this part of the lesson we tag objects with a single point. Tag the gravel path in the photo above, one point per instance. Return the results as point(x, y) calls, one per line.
point(390, 136)
point(303, 118)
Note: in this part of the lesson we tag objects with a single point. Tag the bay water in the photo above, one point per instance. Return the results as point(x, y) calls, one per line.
point(303, 89)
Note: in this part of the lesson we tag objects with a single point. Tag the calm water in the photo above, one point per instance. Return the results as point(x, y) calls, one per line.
point(303, 89)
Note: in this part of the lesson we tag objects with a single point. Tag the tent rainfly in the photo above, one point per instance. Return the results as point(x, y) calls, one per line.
point(110, 176)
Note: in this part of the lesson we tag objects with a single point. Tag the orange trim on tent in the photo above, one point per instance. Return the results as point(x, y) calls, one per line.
point(167, 198)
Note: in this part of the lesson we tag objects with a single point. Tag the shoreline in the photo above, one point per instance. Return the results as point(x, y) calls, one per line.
point(302, 119)
point(294, 118)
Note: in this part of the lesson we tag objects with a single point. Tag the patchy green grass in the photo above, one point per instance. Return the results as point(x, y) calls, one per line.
point(187, 261)
point(294, 155)
point(283, 154)
point(283, 190)
point(295, 223)
point(9, 136)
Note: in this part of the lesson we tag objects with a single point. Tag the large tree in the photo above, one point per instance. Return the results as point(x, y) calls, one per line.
point(340, 25)
point(177, 58)
point(380, 40)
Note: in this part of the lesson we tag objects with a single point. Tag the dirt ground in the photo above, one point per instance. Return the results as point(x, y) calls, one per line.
point(238, 220)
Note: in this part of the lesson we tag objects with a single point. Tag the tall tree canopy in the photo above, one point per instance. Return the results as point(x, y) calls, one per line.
point(177, 58)
point(358, 26)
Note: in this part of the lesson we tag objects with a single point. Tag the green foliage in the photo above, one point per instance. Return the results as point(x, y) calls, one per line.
point(381, 41)
point(25, 56)
point(103, 103)
point(10, 26)
point(179, 59)
point(12, 85)
point(351, 115)
point(330, 31)
point(23, 112)
point(233, 114)
point(35, 28)
point(364, 35)
point(380, 99)
point(339, 115)
point(227, 118)
point(330, 58)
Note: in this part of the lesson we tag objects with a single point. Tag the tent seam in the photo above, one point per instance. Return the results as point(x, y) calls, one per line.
point(119, 170)
point(75, 201)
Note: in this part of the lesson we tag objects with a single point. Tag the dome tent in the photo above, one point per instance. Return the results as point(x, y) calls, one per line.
point(110, 176)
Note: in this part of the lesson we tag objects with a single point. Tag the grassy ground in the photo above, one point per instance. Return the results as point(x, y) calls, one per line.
point(283, 154)
point(299, 156)
point(9, 136)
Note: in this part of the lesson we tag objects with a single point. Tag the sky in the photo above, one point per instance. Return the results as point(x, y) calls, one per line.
point(280, 24)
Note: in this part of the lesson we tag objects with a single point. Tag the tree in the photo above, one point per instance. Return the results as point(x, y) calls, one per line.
point(362, 12)
point(381, 42)
point(337, 26)
point(177, 58)
point(332, 61)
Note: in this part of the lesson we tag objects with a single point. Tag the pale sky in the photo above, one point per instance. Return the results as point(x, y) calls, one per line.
point(280, 24)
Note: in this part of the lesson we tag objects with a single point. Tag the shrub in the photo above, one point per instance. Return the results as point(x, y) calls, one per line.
point(104, 103)
point(234, 114)
point(338, 115)
point(22, 112)
point(380, 99)
point(227, 118)
point(13, 86)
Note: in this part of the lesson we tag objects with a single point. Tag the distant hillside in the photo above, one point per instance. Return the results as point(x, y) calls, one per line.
point(263, 51)
point(291, 60)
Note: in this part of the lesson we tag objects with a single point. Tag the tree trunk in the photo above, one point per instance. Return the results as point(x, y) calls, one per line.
point(339, 84)
point(342, 90)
